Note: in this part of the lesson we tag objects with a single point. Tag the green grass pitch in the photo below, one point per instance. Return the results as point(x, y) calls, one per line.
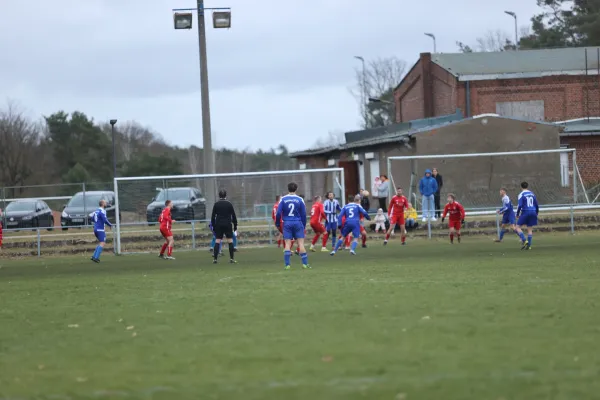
point(476, 320)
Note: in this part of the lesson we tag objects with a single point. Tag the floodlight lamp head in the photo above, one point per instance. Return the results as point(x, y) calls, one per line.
point(182, 20)
point(113, 122)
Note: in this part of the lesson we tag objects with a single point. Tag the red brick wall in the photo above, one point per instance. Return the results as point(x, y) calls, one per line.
point(409, 96)
point(565, 97)
point(588, 156)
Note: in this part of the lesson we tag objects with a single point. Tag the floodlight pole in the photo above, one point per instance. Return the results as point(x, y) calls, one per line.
point(114, 152)
point(514, 15)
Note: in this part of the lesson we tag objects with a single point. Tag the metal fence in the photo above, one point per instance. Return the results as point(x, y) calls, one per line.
point(260, 231)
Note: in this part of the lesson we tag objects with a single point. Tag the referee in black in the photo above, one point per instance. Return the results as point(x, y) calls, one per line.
point(224, 223)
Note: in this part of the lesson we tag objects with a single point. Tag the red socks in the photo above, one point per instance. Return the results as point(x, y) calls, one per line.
point(387, 236)
point(403, 239)
point(325, 238)
point(315, 239)
point(364, 239)
point(163, 249)
point(170, 251)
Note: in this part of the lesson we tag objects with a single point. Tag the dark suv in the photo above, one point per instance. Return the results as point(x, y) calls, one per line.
point(78, 210)
point(188, 204)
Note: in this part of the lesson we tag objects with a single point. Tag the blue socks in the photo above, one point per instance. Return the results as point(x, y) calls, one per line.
point(333, 235)
point(97, 252)
point(286, 257)
point(212, 242)
point(353, 246)
point(529, 238)
point(521, 235)
point(502, 232)
point(304, 257)
point(338, 244)
point(234, 241)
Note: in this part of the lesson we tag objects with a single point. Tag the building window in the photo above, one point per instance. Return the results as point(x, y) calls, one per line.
point(528, 110)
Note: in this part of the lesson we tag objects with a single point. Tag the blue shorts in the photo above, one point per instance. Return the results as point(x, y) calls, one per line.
point(351, 228)
point(528, 219)
point(508, 218)
point(100, 235)
point(331, 226)
point(293, 230)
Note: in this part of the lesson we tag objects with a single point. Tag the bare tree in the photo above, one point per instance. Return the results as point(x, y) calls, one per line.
point(19, 141)
point(493, 41)
point(131, 137)
point(333, 138)
point(378, 81)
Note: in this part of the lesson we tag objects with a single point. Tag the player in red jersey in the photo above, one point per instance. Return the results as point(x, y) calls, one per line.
point(457, 216)
point(317, 214)
point(396, 215)
point(166, 221)
point(273, 214)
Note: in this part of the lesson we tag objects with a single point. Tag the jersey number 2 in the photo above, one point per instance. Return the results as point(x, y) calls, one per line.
point(291, 208)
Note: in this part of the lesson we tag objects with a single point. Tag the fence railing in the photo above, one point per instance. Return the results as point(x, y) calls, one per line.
point(253, 232)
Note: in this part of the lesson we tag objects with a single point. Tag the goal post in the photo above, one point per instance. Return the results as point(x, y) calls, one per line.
point(476, 177)
point(140, 200)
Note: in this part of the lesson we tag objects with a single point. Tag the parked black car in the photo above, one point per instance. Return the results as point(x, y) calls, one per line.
point(28, 213)
point(188, 204)
point(78, 210)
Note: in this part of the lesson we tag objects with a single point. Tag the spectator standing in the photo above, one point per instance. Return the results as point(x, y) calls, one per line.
point(436, 197)
point(364, 200)
point(383, 192)
point(428, 187)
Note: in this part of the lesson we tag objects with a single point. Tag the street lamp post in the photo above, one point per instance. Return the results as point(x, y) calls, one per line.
point(514, 15)
point(114, 152)
point(221, 19)
point(432, 36)
point(364, 90)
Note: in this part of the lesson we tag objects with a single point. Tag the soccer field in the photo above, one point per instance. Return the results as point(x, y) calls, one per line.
point(476, 320)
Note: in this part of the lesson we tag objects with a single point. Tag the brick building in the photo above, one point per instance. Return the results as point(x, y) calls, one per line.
point(365, 153)
point(540, 85)
point(583, 134)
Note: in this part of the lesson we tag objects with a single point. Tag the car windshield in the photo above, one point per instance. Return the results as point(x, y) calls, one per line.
point(21, 206)
point(91, 200)
point(173, 194)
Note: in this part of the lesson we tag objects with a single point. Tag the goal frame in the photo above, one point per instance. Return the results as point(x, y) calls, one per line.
point(497, 154)
point(117, 180)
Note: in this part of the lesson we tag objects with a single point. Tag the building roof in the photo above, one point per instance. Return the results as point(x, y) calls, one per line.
point(520, 64)
point(580, 127)
point(395, 136)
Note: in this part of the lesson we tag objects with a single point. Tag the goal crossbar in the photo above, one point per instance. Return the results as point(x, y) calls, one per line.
point(503, 153)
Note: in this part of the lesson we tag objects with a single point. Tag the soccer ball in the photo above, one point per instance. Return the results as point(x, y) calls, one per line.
point(365, 193)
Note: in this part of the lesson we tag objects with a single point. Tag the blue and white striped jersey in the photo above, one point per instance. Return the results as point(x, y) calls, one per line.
point(332, 208)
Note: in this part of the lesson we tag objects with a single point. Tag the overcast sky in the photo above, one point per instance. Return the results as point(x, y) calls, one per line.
point(280, 75)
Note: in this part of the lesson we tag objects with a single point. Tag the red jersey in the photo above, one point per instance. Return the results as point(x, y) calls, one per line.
point(456, 211)
point(274, 211)
point(397, 206)
point(317, 213)
point(165, 219)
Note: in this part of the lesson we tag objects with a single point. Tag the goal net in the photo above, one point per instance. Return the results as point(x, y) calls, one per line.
point(140, 200)
point(476, 178)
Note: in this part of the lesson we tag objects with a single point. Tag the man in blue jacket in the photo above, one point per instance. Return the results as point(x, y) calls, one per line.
point(428, 186)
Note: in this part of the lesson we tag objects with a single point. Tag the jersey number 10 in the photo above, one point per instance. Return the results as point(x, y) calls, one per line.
point(529, 201)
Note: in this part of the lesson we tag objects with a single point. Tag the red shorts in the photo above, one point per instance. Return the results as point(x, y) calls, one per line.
point(166, 232)
point(318, 228)
point(454, 224)
point(397, 220)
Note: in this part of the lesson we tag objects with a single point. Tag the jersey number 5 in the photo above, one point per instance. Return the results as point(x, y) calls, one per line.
point(351, 213)
point(291, 208)
point(529, 201)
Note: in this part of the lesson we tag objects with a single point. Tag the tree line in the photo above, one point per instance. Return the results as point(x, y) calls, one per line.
point(73, 148)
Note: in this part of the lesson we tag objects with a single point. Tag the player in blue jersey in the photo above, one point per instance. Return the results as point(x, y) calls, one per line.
point(100, 221)
point(332, 208)
point(508, 215)
point(292, 214)
point(527, 214)
point(352, 213)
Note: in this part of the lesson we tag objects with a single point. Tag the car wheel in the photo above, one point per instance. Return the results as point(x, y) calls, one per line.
point(51, 227)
